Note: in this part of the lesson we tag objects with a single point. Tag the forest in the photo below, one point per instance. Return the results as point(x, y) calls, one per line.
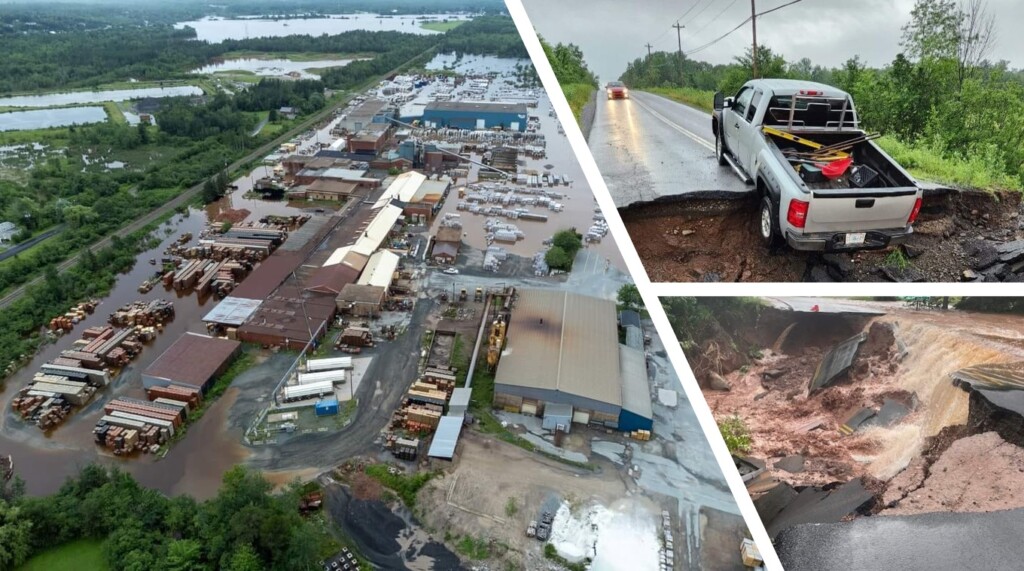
point(245, 527)
point(944, 106)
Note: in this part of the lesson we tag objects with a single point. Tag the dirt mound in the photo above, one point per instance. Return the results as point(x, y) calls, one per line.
point(232, 215)
point(980, 473)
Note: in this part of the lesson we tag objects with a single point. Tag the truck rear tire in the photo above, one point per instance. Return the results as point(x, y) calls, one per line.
point(720, 149)
point(768, 223)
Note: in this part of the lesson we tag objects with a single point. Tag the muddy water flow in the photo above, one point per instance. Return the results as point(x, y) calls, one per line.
point(938, 345)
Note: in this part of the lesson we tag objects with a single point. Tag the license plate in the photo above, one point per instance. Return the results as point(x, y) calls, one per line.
point(855, 238)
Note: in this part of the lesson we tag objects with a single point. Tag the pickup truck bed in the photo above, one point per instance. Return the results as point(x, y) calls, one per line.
point(865, 153)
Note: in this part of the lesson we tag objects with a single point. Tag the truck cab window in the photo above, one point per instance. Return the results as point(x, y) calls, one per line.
point(752, 108)
point(742, 101)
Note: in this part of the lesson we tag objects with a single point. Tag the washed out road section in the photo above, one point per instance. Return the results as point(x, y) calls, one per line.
point(651, 148)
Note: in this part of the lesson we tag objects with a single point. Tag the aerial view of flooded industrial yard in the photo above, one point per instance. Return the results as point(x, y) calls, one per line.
point(869, 430)
point(322, 290)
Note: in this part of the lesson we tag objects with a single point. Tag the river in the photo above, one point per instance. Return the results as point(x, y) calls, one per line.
point(47, 118)
point(84, 97)
point(213, 29)
point(273, 67)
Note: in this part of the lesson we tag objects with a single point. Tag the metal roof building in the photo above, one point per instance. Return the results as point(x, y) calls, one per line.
point(476, 115)
point(232, 311)
point(193, 360)
point(380, 269)
point(449, 428)
point(563, 349)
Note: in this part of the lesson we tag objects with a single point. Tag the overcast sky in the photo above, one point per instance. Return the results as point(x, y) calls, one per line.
point(613, 32)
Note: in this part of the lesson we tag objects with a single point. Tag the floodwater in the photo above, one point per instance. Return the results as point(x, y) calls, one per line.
point(194, 465)
point(82, 97)
point(578, 200)
point(215, 30)
point(46, 118)
point(274, 67)
point(940, 343)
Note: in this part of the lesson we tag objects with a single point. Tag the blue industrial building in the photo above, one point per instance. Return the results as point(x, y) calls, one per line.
point(474, 115)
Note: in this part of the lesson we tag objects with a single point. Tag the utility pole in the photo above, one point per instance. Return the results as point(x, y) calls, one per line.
point(753, 24)
point(648, 46)
point(679, 38)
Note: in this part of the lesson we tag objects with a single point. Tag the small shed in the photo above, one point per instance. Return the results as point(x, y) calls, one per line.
point(459, 403)
point(326, 407)
point(449, 428)
point(557, 417)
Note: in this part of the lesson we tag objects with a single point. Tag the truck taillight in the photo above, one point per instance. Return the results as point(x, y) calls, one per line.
point(797, 215)
point(915, 211)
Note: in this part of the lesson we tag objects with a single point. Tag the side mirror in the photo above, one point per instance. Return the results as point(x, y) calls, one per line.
point(719, 100)
point(727, 104)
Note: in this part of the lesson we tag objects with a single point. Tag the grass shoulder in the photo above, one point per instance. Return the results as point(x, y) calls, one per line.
point(81, 555)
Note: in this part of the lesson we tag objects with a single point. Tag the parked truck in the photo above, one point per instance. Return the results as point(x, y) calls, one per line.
point(822, 182)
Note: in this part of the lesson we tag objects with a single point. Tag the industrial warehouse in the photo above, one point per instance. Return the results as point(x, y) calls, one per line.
point(564, 363)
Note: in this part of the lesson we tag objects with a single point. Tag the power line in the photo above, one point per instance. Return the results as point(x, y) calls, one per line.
point(740, 25)
point(778, 7)
point(665, 33)
point(718, 39)
point(717, 16)
point(694, 18)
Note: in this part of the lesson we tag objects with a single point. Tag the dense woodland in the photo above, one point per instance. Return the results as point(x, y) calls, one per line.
point(941, 95)
point(244, 528)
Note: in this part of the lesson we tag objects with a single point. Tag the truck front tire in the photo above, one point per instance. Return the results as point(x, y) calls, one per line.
point(768, 223)
point(720, 148)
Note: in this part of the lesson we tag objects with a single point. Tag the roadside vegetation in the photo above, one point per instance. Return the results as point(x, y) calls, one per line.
point(950, 114)
point(736, 434)
point(577, 82)
point(104, 519)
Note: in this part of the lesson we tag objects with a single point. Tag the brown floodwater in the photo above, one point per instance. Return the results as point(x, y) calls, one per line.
point(195, 464)
point(579, 200)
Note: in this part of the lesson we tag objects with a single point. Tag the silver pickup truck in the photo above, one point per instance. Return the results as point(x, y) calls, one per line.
point(822, 181)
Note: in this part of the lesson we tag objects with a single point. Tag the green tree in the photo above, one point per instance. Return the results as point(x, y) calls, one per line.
point(557, 259)
point(143, 133)
point(569, 241)
point(272, 116)
point(223, 182)
point(185, 555)
point(736, 434)
point(629, 297)
point(210, 192)
point(14, 536)
point(244, 558)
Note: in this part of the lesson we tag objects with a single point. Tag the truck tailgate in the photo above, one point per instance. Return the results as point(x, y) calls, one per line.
point(859, 210)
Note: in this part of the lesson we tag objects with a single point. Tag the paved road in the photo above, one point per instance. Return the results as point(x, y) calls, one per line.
point(823, 305)
point(935, 541)
point(649, 147)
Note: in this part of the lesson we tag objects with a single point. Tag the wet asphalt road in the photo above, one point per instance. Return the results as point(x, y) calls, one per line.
point(932, 542)
point(649, 147)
